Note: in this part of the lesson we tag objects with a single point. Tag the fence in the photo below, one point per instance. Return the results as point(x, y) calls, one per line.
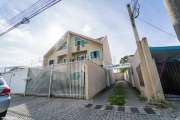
point(58, 82)
point(169, 73)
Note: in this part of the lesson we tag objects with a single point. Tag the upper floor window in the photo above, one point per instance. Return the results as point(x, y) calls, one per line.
point(51, 62)
point(95, 54)
point(79, 41)
point(63, 46)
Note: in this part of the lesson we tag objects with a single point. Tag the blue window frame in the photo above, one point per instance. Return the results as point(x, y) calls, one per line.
point(51, 62)
point(76, 76)
point(65, 60)
point(79, 41)
point(80, 57)
point(95, 54)
point(63, 46)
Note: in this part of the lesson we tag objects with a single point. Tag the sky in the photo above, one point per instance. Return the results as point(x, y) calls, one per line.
point(26, 45)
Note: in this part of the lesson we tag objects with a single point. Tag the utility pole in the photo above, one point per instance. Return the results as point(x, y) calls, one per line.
point(173, 9)
point(144, 69)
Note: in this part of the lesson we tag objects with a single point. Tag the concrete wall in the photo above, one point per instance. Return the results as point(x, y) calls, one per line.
point(119, 76)
point(95, 77)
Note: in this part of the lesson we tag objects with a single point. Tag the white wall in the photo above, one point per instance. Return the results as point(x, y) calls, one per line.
point(15, 80)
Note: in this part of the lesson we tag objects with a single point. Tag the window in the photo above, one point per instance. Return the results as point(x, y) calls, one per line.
point(1, 82)
point(80, 58)
point(79, 41)
point(63, 46)
point(65, 60)
point(51, 62)
point(95, 54)
point(76, 76)
point(139, 72)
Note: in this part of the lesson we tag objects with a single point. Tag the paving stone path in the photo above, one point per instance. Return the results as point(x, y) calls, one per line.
point(43, 108)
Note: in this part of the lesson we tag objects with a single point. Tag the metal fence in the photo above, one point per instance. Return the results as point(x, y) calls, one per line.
point(58, 82)
point(169, 73)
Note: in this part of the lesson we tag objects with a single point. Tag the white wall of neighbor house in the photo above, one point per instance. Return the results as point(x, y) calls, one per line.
point(119, 76)
point(95, 77)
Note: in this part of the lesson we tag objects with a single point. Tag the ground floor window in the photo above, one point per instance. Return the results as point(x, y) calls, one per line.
point(51, 62)
point(76, 76)
point(65, 60)
point(80, 57)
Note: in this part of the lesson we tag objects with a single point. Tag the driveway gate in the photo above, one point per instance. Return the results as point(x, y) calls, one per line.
point(58, 82)
point(169, 73)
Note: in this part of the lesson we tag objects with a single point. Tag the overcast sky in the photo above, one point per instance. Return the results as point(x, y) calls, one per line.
point(27, 44)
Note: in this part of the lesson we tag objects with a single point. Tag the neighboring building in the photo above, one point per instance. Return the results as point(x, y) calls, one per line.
point(173, 8)
point(158, 74)
point(75, 47)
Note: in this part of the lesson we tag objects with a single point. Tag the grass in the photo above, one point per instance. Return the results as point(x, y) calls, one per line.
point(160, 104)
point(118, 96)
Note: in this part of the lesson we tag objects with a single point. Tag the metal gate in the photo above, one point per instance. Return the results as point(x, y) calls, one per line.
point(169, 73)
point(16, 80)
point(66, 80)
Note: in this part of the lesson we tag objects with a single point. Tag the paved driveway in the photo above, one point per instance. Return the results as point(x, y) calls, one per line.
point(43, 108)
point(37, 108)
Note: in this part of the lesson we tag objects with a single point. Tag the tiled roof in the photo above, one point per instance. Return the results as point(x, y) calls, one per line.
point(99, 38)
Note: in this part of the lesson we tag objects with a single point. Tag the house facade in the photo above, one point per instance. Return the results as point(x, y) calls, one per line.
point(75, 47)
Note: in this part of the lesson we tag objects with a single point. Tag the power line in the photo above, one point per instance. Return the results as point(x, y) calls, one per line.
point(27, 14)
point(157, 27)
point(5, 5)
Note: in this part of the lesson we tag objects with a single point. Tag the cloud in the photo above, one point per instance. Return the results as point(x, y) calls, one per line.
point(15, 10)
point(86, 29)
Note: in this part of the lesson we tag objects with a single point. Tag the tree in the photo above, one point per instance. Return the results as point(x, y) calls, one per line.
point(122, 61)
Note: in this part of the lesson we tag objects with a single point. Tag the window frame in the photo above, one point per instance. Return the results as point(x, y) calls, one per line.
point(94, 51)
point(72, 75)
point(65, 59)
point(80, 56)
point(80, 41)
point(53, 62)
point(61, 45)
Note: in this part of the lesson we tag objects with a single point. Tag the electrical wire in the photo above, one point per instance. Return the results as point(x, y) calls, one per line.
point(27, 14)
point(5, 5)
point(24, 13)
point(157, 27)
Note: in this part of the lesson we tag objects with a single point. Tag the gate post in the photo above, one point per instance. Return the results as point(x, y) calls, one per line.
point(50, 80)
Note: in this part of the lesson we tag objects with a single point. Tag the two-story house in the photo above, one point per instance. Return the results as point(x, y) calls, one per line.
point(75, 47)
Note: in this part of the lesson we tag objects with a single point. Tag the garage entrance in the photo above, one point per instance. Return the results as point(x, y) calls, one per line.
point(168, 65)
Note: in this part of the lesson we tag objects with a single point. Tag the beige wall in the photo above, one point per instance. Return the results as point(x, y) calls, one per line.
point(108, 59)
point(106, 52)
point(71, 50)
point(127, 76)
point(95, 79)
point(135, 61)
point(119, 76)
